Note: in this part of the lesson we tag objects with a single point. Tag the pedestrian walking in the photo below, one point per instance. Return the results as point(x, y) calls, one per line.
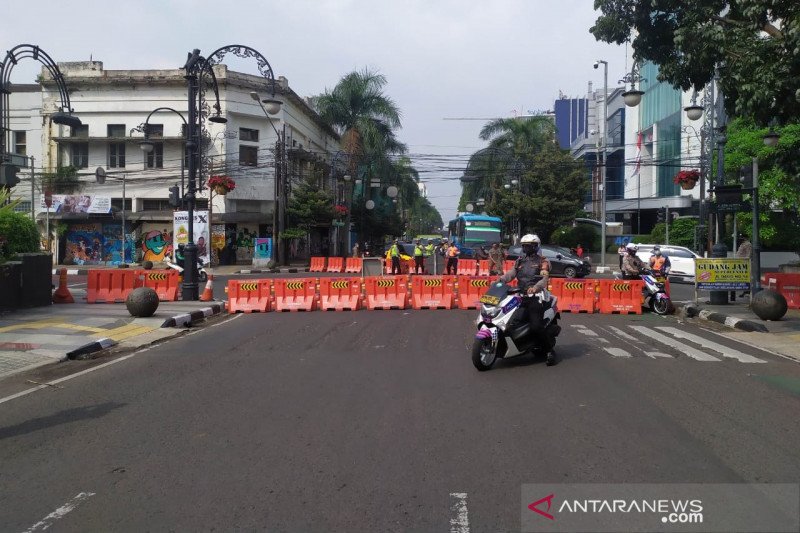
point(496, 259)
point(355, 250)
point(419, 258)
point(579, 250)
point(452, 259)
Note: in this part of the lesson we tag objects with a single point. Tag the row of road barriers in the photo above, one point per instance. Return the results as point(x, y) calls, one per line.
point(354, 265)
point(114, 285)
point(418, 292)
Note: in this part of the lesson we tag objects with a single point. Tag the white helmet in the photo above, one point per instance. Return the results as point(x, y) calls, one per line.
point(530, 239)
point(631, 247)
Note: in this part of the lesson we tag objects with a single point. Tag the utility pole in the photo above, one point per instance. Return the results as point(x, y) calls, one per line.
point(33, 197)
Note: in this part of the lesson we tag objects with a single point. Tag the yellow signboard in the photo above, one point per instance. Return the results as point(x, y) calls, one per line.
point(722, 274)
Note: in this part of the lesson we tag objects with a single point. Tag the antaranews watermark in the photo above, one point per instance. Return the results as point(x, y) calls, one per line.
point(661, 507)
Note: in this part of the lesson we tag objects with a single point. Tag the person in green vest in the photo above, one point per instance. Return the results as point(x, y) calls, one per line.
point(429, 249)
point(394, 254)
point(419, 257)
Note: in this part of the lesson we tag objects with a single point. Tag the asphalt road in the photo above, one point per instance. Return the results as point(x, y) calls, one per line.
point(371, 421)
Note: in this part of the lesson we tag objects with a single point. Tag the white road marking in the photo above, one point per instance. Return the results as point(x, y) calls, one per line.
point(724, 350)
point(617, 352)
point(654, 355)
point(459, 517)
point(624, 335)
point(59, 513)
point(668, 341)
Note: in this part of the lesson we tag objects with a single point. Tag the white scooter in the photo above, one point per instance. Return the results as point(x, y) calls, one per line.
point(202, 275)
point(653, 291)
point(504, 329)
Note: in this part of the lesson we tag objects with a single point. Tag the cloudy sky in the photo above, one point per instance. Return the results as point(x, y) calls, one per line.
point(444, 59)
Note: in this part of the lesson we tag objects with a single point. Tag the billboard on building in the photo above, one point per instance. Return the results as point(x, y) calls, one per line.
point(200, 228)
point(78, 203)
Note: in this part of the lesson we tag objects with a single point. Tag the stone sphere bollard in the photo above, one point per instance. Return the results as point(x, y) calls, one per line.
point(142, 302)
point(769, 305)
point(147, 265)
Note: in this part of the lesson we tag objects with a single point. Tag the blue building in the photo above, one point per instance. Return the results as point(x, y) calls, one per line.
point(572, 120)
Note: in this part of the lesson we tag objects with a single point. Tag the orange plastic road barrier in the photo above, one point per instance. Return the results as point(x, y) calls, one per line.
point(335, 264)
point(109, 285)
point(353, 265)
point(340, 294)
point(617, 296)
point(433, 292)
point(208, 292)
point(508, 265)
point(386, 292)
point(404, 266)
point(317, 264)
point(470, 290)
point(483, 267)
point(62, 294)
point(574, 296)
point(786, 284)
point(467, 267)
point(295, 294)
point(249, 296)
point(164, 282)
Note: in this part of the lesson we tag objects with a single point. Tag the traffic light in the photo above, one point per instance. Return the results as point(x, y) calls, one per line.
point(174, 196)
point(662, 214)
point(8, 175)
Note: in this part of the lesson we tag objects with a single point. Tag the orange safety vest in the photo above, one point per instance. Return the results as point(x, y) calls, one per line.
point(452, 251)
point(657, 262)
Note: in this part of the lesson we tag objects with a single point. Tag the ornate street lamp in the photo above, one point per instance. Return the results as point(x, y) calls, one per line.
point(63, 116)
point(632, 96)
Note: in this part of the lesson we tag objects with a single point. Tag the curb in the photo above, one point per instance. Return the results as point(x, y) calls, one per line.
point(690, 310)
point(95, 346)
point(186, 319)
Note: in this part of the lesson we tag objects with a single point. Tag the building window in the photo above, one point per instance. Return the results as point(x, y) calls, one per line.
point(155, 131)
point(155, 159)
point(80, 155)
point(23, 207)
point(246, 134)
point(116, 203)
point(20, 142)
point(81, 131)
point(116, 155)
point(116, 130)
point(156, 204)
point(248, 156)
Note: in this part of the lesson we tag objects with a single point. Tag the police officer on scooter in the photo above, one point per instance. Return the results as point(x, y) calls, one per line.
point(532, 272)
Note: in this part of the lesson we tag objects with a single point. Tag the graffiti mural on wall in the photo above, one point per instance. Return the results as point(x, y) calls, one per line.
point(94, 244)
point(156, 245)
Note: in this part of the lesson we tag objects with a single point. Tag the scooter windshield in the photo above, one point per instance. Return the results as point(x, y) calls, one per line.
point(495, 294)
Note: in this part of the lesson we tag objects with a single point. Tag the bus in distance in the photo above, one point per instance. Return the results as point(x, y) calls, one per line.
point(471, 232)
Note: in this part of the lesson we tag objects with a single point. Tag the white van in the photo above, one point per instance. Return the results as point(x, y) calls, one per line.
point(681, 258)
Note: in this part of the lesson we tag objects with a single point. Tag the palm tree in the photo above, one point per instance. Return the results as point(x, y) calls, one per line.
point(519, 135)
point(363, 115)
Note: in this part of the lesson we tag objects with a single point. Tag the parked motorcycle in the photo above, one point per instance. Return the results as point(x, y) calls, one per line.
point(653, 291)
point(202, 275)
point(504, 329)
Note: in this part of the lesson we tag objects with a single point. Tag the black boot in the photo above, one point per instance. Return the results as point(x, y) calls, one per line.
point(551, 358)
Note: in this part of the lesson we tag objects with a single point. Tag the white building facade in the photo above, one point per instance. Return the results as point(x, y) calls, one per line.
point(114, 104)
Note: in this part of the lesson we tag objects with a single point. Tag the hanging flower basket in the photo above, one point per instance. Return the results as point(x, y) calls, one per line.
point(687, 179)
point(221, 184)
point(340, 210)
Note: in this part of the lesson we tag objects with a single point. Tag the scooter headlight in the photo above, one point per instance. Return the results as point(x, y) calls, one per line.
point(490, 311)
point(660, 285)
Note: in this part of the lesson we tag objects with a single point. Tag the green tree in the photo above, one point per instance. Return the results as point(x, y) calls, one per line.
point(424, 218)
point(308, 207)
point(552, 185)
point(755, 44)
point(18, 234)
point(779, 180)
point(681, 232)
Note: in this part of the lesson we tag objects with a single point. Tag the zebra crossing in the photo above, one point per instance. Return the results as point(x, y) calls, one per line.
point(660, 342)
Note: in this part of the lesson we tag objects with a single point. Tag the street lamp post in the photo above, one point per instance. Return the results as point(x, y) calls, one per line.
point(64, 116)
point(147, 145)
point(604, 141)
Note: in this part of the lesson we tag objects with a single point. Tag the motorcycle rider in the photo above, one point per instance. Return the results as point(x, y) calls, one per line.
point(660, 264)
point(631, 264)
point(526, 270)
